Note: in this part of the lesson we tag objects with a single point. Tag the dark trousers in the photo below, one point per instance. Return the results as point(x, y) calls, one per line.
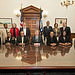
point(0, 40)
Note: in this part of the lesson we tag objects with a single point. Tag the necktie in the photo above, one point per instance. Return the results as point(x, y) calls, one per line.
point(56, 31)
point(63, 28)
point(6, 31)
point(51, 40)
point(22, 39)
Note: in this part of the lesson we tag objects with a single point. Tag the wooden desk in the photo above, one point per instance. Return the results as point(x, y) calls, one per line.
point(43, 57)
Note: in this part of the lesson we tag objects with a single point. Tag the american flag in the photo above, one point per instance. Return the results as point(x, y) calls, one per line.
point(21, 19)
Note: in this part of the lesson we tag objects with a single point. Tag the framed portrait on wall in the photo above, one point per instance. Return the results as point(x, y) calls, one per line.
point(60, 21)
point(7, 21)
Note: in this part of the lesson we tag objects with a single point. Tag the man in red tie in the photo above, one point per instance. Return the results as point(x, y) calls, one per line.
point(66, 29)
point(63, 28)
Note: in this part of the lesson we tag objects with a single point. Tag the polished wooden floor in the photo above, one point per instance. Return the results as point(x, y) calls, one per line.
point(43, 57)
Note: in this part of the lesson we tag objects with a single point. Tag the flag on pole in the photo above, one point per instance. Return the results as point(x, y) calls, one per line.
point(21, 17)
point(41, 24)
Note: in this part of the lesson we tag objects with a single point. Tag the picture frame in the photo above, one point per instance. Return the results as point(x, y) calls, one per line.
point(60, 21)
point(7, 21)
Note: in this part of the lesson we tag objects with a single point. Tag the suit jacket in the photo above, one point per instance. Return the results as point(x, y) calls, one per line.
point(33, 40)
point(19, 40)
point(16, 31)
point(27, 31)
point(67, 40)
point(58, 32)
point(4, 34)
point(47, 31)
point(68, 31)
point(12, 40)
point(51, 40)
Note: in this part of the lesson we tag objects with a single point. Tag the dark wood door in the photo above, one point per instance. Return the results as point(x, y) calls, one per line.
point(31, 16)
point(32, 24)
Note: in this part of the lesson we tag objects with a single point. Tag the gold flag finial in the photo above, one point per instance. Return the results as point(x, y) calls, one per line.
point(40, 7)
point(21, 6)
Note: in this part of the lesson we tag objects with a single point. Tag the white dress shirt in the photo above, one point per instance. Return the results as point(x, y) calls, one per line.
point(64, 38)
point(48, 27)
point(9, 39)
point(24, 29)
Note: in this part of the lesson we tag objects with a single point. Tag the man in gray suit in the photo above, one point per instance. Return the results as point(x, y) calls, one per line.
point(4, 32)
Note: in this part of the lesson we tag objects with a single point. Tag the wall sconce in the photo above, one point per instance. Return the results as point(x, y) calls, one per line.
point(17, 13)
point(45, 13)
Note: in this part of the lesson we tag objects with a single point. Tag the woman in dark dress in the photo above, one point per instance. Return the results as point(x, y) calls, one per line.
point(64, 40)
point(9, 40)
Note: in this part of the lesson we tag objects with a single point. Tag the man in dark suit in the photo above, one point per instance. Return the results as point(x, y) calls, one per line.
point(22, 39)
point(64, 40)
point(26, 30)
point(66, 29)
point(47, 29)
point(51, 39)
point(36, 39)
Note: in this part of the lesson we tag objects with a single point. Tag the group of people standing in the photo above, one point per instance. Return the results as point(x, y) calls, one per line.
point(54, 35)
point(57, 35)
point(15, 36)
